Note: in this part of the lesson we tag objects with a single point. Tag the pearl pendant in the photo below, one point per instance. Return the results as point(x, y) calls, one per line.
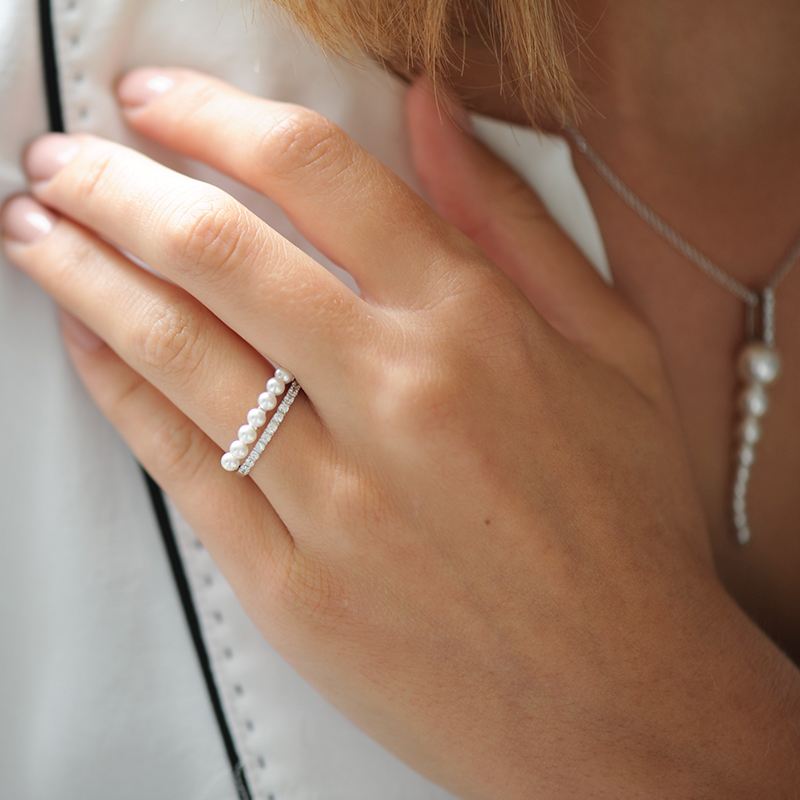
point(759, 365)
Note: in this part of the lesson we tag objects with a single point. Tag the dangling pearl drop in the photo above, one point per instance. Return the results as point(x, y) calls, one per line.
point(759, 364)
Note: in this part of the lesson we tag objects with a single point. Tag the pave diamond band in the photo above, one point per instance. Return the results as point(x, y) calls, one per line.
point(272, 426)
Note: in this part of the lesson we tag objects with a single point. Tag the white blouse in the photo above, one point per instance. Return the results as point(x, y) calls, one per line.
point(101, 692)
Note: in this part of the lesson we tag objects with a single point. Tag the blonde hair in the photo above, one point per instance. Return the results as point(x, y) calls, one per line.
point(528, 38)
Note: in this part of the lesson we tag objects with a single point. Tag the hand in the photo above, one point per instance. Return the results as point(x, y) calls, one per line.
point(476, 531)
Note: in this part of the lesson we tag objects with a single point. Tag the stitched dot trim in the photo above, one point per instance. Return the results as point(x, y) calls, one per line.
point(213, 622)
point(75, 86)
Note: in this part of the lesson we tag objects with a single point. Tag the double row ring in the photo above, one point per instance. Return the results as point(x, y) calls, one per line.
point(256, 417)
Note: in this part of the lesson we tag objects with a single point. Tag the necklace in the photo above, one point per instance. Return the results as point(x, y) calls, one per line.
point(758, 362)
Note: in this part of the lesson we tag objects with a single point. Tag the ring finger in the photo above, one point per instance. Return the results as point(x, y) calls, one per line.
point(169, 338)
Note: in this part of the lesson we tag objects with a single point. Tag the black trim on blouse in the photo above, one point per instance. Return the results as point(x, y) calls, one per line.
point(50, 66)
point(192, 620)
point(55, 112)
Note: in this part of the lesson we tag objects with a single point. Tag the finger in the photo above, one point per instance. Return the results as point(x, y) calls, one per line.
point(269, 291)
point(343, 200)
point(483, 197)
point(169, 339)
point(231, 517)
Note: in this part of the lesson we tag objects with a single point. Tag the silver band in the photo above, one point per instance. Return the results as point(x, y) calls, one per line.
point(272, 426)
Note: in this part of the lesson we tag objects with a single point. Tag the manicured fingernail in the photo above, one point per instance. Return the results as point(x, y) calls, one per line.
point(142, 86)
point(48, 154)
point(460, 117)
point(78, 334)
point(24, 220)
point(449, 102)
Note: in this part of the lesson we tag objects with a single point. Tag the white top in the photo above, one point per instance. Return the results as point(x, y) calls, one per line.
point(101, 694)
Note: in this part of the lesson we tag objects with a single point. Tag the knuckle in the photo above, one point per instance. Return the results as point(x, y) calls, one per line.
point(209, 234)
point(419, 400)
point(302, 141)
point(178, 453)
point(348, 494)
point(174, 450)
point(171, 342)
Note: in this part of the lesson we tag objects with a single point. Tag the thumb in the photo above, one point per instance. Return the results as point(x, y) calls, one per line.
point(482, 196)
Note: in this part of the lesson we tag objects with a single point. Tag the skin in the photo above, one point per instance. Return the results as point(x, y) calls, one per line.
point(702, 116)
point(696, 106)
point(513, 590)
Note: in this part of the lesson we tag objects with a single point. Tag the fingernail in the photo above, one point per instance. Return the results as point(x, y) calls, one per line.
point(460, 117)
point(142, 86)
point(78, 334)
point(48, 154)
point(450, 104)
point(26, 221)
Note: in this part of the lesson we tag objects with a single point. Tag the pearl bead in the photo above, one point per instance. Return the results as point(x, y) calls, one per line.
point(267, 401)
point(746, 454)
point(759, 362)
point(284, 375)
point(256, 417)
point(753, 400)
point(743, 535)
point(238, 449)
point(742, 475)
point(247, 434)
point(739, 505)
point(276, 386)
point(740, 520)
point(750, 430)
point(229, 462)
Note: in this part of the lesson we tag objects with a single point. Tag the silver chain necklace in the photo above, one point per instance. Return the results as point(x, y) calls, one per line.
point(758, 362)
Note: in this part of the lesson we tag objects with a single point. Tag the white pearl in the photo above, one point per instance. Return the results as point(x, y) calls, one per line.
point(742, 475)
point(753, 400)
point(276, 386)
point(229, 462)
point(284, 375)
point(256, 417)
point(238, 449)
point(739, 505)
point(750, 430)
point(740, 520)
point(247, 434)
point(759, 362)
point(743, 535)
point(746, 454)
point(267, 401)
point(739, 488)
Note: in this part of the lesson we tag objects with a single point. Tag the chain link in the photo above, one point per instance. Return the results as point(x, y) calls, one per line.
point(670, 235)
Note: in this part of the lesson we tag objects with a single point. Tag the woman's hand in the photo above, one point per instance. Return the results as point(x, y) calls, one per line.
point(476, 531)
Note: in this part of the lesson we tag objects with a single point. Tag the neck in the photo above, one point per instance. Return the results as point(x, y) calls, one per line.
point(697, 105)
point(700, 74)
